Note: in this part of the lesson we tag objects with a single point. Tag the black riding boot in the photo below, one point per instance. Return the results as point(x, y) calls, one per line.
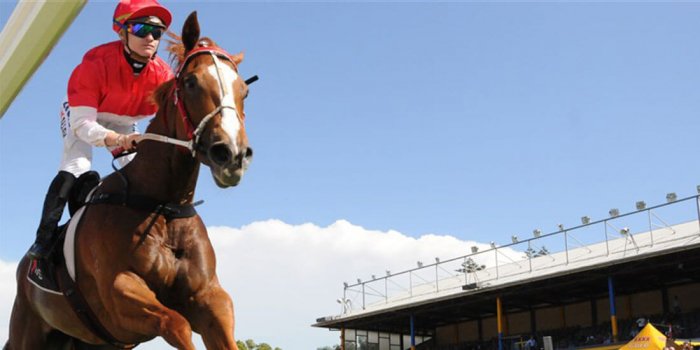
point(55, 201)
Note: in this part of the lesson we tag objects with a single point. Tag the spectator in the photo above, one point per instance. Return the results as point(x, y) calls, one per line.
point(641, 322)
point(531, 344)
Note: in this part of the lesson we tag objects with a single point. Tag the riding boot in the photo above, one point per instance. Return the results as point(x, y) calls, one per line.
point(54, 203)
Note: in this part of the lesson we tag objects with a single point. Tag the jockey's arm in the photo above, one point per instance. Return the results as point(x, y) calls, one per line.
point(85, 126)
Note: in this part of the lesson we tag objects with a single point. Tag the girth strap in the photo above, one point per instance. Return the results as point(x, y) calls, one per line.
point(168, 210)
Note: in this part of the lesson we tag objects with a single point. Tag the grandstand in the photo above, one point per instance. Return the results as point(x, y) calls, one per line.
point(584, 286)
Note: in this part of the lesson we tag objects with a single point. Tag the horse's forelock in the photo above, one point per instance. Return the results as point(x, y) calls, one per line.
point(176, 48)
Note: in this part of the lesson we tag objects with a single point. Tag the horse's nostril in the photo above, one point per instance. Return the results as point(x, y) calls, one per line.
point(248, 153)
point(220, 154)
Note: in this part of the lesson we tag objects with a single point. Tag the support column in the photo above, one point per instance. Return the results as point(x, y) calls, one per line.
point(499, 322)
point(613, 316)
point(342, 338)
point(413, 333)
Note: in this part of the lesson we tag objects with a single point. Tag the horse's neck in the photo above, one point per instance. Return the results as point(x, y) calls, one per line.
point(163, 171)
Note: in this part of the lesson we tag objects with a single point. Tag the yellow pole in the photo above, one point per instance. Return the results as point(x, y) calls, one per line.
point(613, 311)
point(499, 322)
point(27, 38)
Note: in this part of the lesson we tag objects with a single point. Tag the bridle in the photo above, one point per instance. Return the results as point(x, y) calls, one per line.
point(194, 133)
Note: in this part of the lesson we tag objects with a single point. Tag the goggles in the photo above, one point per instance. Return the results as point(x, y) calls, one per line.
point(142, 30)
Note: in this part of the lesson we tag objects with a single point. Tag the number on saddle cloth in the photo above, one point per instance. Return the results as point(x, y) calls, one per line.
point(82, 187)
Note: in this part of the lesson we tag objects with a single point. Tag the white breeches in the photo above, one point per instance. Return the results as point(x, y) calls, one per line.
point(77, 154)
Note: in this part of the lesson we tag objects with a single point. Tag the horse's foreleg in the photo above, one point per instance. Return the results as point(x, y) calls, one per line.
point(211, 315)
point(138, 310)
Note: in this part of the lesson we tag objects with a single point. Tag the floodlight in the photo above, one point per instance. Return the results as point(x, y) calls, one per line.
point(388, 273)
point(614, 212)
point(359, 281)
point(698, 188)
point(514, 238)
point(493, 244)
point(585, 220)
point(640, 205)
point(536, 232)
point(671, 197)
point(561, 227)
point(374, 277)
point(625, 231)
point(475, 249)
point(345, 284)
point(437, 260)
point(419, 263)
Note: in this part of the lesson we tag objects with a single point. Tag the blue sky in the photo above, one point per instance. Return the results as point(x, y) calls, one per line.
point(474, 120)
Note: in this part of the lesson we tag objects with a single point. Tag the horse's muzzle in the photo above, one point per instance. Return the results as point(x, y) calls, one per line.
point(228, 167)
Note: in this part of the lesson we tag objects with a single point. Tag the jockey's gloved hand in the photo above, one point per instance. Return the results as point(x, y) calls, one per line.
point(128, 142)
point(124, 141)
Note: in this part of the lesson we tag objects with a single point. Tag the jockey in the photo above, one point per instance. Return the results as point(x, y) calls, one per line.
point(107, 93)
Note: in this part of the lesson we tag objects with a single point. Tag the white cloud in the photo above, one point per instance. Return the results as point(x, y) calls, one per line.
point(282, 277)
point(7, 297)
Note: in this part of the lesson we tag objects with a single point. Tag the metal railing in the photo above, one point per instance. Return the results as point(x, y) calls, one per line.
point(562, 247)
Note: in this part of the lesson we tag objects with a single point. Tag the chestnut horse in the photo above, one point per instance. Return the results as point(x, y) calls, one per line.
point(142, 272)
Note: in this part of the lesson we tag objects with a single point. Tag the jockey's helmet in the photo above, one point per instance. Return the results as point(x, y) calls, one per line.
point(132, 9)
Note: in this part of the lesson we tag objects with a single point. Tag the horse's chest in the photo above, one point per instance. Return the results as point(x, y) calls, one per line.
point(170, 256)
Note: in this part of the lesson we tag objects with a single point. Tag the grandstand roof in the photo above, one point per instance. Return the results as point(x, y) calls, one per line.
point(664, 256)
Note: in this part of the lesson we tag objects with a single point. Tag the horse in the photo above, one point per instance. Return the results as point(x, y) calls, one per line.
point(144, 263)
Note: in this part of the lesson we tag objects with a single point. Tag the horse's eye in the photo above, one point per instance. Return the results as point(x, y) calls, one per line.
point(190, 82)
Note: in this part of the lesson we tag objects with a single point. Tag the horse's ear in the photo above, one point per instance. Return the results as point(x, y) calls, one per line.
point(190, 32)
point(237, 58)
